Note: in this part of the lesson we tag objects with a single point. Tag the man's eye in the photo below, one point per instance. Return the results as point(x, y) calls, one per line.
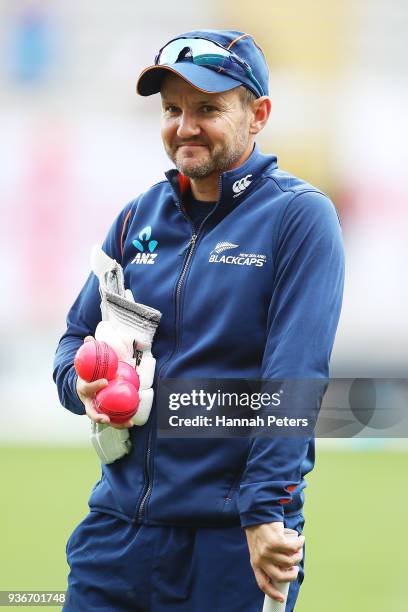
point(208, 109)
point(170, 109)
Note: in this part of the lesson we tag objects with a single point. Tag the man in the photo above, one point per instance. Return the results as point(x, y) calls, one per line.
point(245, 264)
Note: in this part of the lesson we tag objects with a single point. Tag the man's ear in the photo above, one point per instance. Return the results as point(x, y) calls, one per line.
point(261, 109)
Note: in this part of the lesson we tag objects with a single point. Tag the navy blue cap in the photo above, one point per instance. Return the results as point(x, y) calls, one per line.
point(207, 79)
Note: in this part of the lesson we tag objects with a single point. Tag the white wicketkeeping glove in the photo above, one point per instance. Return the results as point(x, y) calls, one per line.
point(129, 328)
point(110, 443)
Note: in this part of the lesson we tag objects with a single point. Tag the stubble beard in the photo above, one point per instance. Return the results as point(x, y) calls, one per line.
point(216, 162)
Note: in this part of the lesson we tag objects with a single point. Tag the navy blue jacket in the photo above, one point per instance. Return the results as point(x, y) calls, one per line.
point(264, 307)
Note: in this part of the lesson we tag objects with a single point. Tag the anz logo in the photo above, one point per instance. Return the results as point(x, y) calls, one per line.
point(145, 246)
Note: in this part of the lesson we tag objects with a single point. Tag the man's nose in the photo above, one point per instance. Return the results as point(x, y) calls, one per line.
point(188, 126)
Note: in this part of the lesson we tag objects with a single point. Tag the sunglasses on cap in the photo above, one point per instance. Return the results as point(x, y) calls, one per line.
point(204, 52)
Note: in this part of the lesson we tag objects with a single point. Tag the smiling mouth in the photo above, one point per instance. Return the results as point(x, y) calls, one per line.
point(191, 144)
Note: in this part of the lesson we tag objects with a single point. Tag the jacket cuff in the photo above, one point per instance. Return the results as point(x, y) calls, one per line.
point(76, 404)
point(274, 513)
point(263, 502)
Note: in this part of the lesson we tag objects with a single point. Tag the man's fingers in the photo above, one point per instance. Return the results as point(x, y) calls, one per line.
point(287, 561)
point(279, 574)
point(100, 417)
point(88, 338)
point(93, 414)
point(93, 387)
point(299, 543)
point(282, 554)
point(86, 393)
point(267, 586)
point(88, 390)
point(289, 547)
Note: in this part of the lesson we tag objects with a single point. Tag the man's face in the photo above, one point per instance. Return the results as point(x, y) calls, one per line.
point(203, 134)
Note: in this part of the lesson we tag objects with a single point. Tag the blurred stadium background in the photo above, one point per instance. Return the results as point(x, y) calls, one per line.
point(77, 144)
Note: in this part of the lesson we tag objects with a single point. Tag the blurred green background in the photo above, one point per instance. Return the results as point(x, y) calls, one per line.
point(355, 524)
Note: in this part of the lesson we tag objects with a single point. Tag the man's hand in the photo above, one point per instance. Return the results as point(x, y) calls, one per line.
point(87, 392)
point(273, 557)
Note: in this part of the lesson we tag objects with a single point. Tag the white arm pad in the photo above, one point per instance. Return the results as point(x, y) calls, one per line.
point(145, 405)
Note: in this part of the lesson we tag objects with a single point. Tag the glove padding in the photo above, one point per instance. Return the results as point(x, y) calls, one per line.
point(129, 329)
point(110, 443)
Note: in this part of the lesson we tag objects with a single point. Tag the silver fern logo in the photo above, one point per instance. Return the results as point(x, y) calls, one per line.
point(236, 258)
point(224, 246)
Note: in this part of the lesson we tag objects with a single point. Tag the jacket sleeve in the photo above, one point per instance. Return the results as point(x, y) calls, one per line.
point(302, 322)
point(82, 320)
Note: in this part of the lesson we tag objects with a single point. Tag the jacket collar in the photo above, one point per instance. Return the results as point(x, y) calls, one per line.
point(235, 184)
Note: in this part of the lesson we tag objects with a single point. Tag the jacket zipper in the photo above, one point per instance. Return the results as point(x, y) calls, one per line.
point(145, 497)
point(190, 246)
point(147, 474)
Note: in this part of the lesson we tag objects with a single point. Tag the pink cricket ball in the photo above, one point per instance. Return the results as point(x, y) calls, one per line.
point(126, 372)
point(95, 360)
point(119, 400)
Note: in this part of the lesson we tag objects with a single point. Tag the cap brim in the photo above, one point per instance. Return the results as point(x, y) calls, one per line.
point(203, 79)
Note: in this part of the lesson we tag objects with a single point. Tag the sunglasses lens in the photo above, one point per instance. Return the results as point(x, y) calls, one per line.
point(195, 46)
